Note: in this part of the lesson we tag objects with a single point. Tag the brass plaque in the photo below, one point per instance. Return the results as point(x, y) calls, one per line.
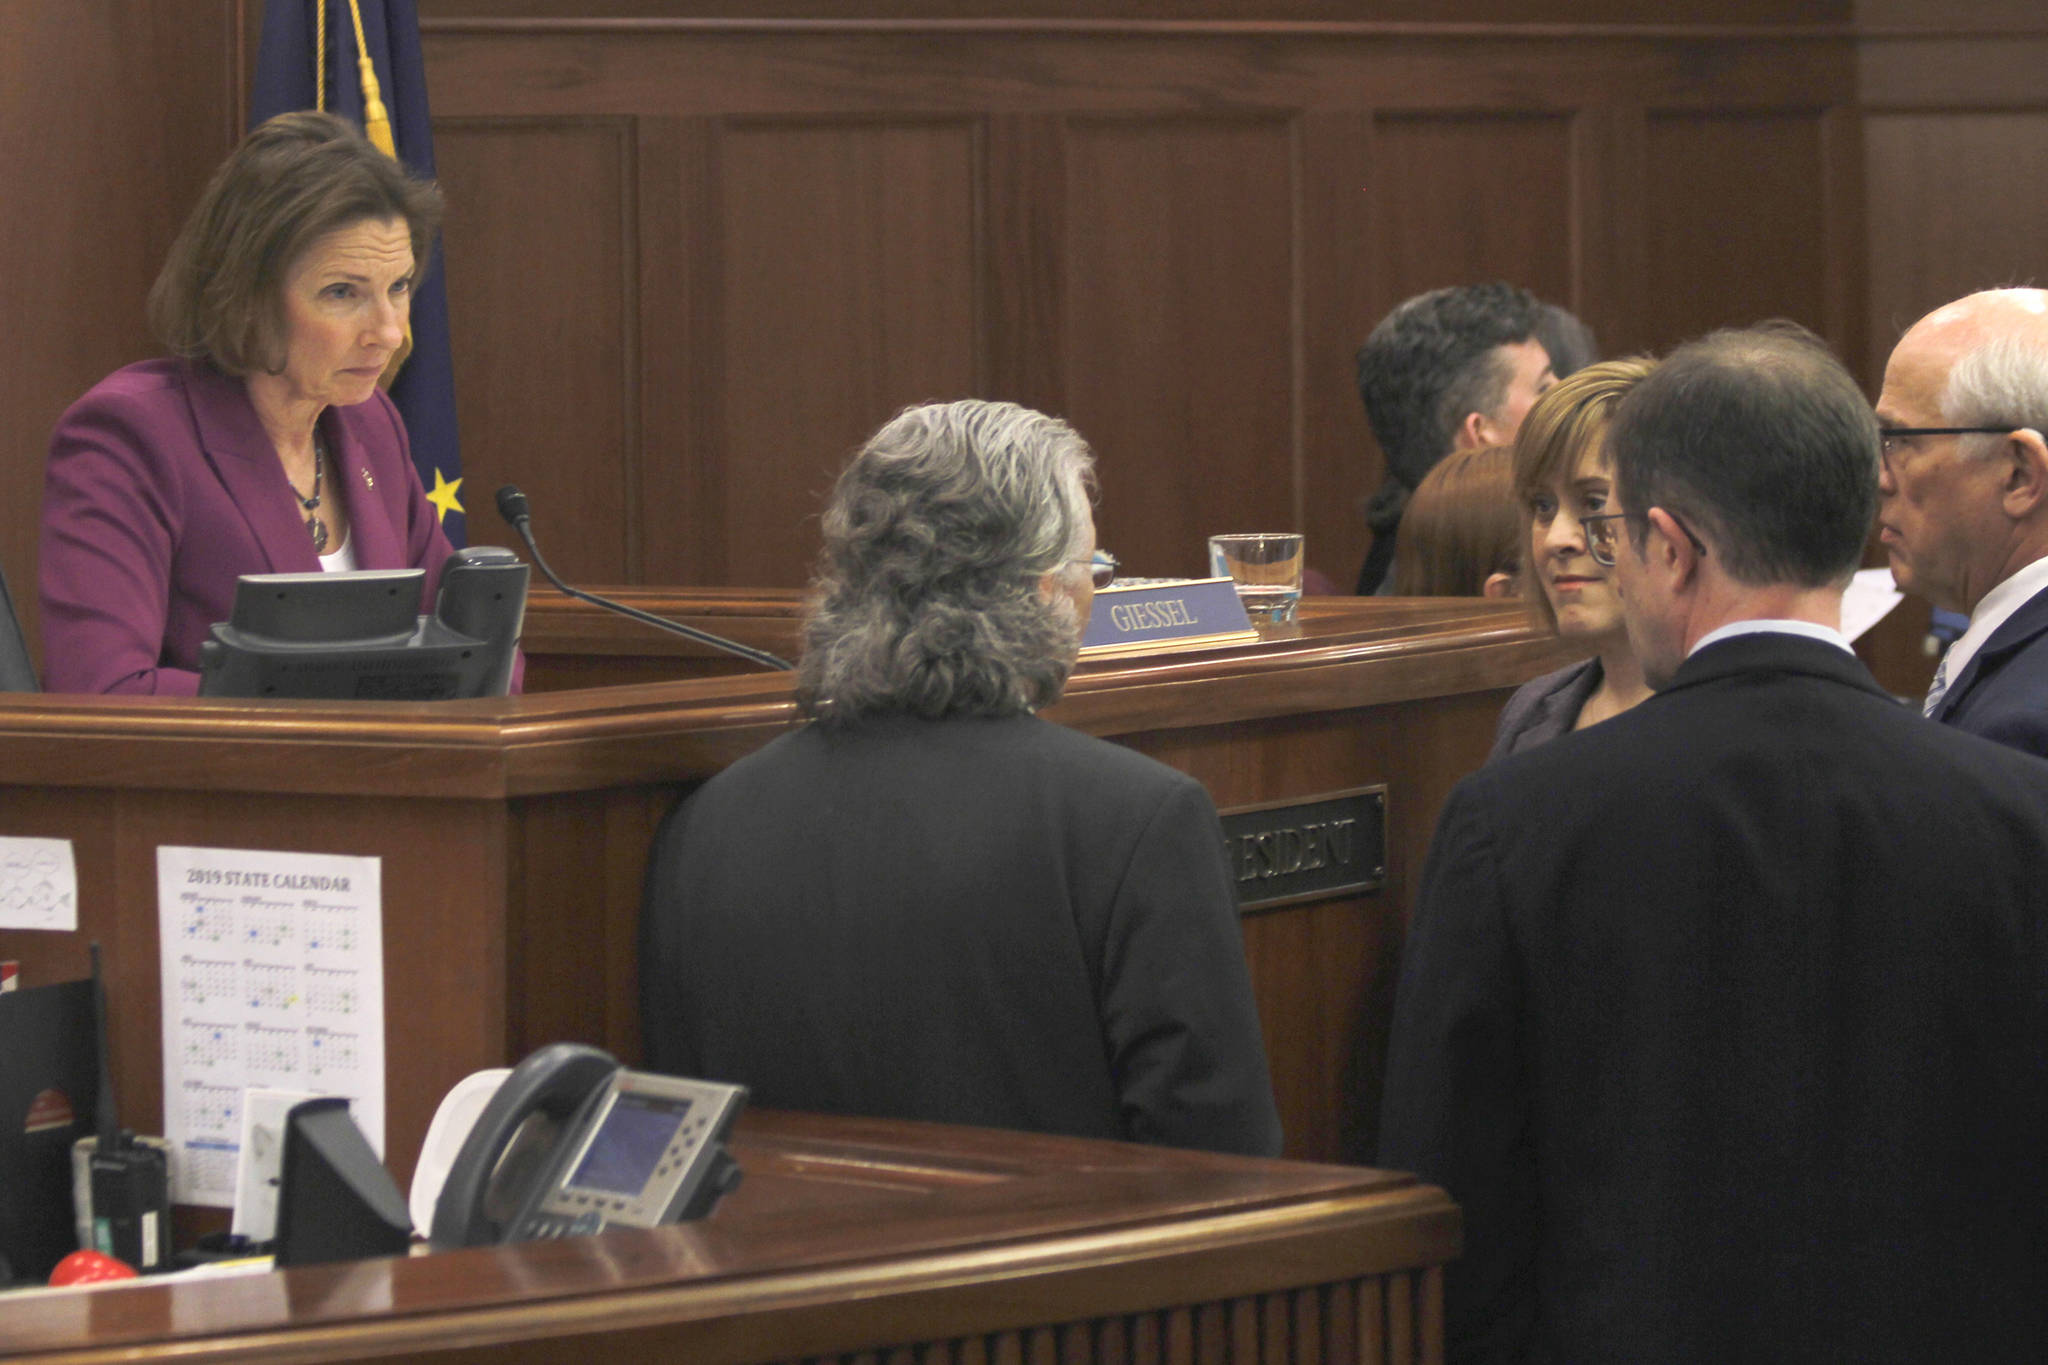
point(1286, 852)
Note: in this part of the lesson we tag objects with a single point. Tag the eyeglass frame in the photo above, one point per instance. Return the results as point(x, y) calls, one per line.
point(1595, 542)
point(1886, 435)
point(1102, 567)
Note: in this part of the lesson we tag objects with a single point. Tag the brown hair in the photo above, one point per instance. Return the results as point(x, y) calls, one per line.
point(294, 179)
point(1460, 526)
point(1562, 426)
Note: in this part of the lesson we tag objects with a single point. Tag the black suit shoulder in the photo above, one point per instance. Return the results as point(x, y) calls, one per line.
point(994, 921)
point(1753, 974)
point(2003, 692)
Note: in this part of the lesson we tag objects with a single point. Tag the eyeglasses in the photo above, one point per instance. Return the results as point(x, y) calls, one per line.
point(1102, 567)
point(1889, 437)
point(1602, 533)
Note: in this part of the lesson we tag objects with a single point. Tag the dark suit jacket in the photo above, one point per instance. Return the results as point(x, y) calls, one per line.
point(1726, 1021)
point(2002, 693)
point(162, 489)
point(1544, 708)
point(998, 922)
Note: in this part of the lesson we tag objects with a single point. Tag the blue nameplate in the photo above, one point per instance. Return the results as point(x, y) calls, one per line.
point(1176, 614)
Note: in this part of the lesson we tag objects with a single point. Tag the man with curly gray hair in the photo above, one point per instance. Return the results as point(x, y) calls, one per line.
point(930, 903)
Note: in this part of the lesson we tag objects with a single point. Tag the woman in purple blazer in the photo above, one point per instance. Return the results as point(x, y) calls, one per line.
point(263, 445)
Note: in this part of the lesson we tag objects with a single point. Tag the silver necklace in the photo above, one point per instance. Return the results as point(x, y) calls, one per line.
point(314, 526)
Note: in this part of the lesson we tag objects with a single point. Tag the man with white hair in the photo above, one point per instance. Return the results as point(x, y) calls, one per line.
point(1963, 509)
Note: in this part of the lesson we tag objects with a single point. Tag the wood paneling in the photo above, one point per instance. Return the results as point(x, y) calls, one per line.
point(1339, 465)
point(1736, 223)
point(1785, 13)
point(850, 287)
point(1174, 234)
point(444, 975)
point(541, 260)
point(1955, 134)
point(112, 115)
point(1464, 197)
point(1181, 309)
point(514, 832)
point(694, 256)
point(1958, 202)
point(856, 1242)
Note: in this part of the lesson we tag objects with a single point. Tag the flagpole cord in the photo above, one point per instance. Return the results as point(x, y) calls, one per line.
point(376, 121)
point(320, 56)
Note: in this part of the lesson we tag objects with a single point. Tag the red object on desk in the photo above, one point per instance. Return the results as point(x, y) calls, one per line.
point(89, 1267)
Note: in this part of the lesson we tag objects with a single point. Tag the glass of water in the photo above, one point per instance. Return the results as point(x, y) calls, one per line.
point(1266, 567)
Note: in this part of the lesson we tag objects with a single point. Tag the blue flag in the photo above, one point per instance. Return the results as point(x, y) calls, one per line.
point(285, 65)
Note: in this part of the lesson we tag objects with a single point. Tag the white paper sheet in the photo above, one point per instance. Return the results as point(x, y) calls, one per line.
point(273, 976)
point(1870, 599)
point(38, 884)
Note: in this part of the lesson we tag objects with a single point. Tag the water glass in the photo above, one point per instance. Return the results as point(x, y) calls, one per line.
point(1266, 567)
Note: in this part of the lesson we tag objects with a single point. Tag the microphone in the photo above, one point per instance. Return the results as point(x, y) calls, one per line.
point(512, 507)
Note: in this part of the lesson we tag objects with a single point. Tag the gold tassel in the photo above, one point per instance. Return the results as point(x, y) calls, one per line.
point(377, 128)
point(376, 121)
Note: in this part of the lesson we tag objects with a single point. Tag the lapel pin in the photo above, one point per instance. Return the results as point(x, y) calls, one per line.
point(368, 482)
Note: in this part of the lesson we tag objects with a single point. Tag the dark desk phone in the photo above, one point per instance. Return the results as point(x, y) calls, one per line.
point(573, 1143)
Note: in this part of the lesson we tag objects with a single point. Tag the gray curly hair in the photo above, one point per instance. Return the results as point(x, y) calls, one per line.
point(939, 531)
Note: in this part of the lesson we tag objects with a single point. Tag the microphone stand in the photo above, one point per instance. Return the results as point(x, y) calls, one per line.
point(512, 507)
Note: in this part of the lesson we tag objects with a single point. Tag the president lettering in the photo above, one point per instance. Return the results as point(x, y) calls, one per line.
point(1278, 852)
point(1164, 615)
point(1285, 852)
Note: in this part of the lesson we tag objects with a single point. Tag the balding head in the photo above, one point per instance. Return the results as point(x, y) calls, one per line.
point(1963, 512)
point(1990, 312)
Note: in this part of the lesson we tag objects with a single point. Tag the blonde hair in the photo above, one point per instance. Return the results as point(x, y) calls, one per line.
point(1566, 422)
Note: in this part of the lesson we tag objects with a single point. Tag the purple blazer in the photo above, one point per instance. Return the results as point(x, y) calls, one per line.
point(162, 489)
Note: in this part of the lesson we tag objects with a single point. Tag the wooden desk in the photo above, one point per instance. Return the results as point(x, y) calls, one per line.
point(863, 1241)
point(514, 832)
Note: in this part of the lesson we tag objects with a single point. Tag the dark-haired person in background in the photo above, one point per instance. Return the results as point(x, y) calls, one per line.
point(1568, 341)
point(929, 903)
point(1447, 370)
point(1726, 1020)
point(263, 444)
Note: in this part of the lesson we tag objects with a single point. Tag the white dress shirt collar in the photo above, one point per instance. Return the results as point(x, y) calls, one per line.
point(1991, 613)
point(1825, 634)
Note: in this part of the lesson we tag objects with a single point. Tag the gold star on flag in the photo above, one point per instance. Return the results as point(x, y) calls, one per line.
point(443, 495)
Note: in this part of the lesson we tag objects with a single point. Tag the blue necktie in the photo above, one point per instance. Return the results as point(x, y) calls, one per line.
point(1935, 692)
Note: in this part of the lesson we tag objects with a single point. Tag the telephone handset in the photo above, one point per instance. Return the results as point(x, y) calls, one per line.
point(573, 1142)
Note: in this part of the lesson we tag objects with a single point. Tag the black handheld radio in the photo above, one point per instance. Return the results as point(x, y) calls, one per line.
point(131, 1188)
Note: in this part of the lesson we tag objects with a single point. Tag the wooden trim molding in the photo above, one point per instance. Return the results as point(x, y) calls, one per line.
point(1346, 653)
point(863, 1239)
point(1150, 28)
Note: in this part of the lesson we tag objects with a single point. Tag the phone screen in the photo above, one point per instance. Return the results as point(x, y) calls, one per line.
point(629, 1144)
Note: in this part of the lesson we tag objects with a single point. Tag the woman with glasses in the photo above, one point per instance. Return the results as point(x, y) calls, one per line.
point(1563, 478)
